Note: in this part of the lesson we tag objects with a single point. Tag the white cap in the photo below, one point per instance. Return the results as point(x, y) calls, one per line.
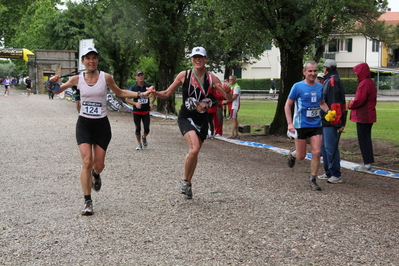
point(89, 50)
point(320, 75)
point(198, 51)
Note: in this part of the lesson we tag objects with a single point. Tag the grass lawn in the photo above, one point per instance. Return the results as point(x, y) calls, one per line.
point(258, 113)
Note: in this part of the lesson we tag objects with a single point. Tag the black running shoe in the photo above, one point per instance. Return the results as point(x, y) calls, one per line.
point(189, 192)
point(96, 181)
point(313, 185)
point(291, 159)
point(185, 188)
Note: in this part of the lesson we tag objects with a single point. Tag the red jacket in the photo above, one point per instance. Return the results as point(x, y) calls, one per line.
point(363, 105)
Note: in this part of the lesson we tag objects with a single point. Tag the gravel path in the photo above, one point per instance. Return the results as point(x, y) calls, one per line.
point(248, 208)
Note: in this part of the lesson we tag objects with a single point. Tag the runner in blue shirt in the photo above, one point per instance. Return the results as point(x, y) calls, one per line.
point(306, 123)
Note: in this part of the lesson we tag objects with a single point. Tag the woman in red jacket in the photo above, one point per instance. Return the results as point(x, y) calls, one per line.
point(363, 112)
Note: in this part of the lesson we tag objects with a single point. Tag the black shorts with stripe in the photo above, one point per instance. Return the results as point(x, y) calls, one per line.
point(93, 131)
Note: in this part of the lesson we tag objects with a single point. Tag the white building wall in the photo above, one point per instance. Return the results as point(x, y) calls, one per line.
point(361, 52)
point(269, 64)
point(267, 67)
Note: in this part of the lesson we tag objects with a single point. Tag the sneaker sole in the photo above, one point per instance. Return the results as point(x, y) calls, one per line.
point(336, 182)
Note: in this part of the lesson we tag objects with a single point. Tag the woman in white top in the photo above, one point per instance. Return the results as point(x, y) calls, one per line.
point(93, 131)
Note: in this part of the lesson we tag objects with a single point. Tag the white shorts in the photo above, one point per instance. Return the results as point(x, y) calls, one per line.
point(233, 113)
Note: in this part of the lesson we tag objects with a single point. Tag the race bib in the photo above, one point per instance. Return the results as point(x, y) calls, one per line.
point(142, 101)
point(91, 108)
point(313, 112)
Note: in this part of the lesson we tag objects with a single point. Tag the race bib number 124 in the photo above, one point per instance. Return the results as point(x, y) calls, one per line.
point(91, 108)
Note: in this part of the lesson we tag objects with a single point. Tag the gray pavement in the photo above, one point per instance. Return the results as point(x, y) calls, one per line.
point(248, 207)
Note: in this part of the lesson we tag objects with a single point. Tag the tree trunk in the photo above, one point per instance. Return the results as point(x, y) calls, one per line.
point(165, 79)
point(291, 72)
point(228, 72)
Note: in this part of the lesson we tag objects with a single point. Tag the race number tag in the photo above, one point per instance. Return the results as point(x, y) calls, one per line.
point(313, 112)
point(91, 108)
point(142, 101)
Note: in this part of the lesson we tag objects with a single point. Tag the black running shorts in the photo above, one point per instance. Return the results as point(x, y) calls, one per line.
point(304, 133)
point(93, 131)
point(196, 121)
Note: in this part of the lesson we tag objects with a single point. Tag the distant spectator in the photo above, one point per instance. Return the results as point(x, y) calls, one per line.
point(76, 96)
point(320, 78)
point(212, 112)
point(28, 83)
point(7, 83)
point(50, 91)
point(273, 87)
point(235, 106)
point(218, 118)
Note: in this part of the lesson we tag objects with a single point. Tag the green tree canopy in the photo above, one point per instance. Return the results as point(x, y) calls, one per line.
point(116, 27)
point(212, 26)
point(166, 39)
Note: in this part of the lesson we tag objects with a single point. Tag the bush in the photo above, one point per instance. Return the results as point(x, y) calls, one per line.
point(257, 84)
point(350, 84)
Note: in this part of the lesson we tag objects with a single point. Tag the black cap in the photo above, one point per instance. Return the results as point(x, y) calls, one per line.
point(138, 72)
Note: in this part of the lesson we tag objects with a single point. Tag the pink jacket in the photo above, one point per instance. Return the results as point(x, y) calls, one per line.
point(363, 105)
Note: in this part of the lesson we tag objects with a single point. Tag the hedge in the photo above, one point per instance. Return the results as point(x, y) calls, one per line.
point(350, 84)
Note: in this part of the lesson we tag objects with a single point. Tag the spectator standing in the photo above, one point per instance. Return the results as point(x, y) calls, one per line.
point(218, 117)
point(212, 112)
point(235, 106)
point(50, 91)
point(334, 97)
point(76, 96)
point(141, 110)
point(226, 107)
point(273, 87)
point(320, 78)
point(364, 113)
point(308, 98)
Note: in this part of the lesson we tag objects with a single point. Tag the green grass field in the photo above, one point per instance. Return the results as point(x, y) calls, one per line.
point(259, 113)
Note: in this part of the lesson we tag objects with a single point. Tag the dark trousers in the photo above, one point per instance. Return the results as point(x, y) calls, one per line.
point(365, 143)
point(146, 123)
point(211, 125)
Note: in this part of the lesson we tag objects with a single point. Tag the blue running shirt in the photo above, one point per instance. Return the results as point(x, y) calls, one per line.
point(307, 104)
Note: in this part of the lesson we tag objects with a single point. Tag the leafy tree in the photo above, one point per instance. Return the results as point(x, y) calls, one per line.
point(116, 29)
point(294, 25)
point(33, 31)
point(211, 26)
point(68, 28)
point(11, 14)
point(7, 68)
point(166, 39)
